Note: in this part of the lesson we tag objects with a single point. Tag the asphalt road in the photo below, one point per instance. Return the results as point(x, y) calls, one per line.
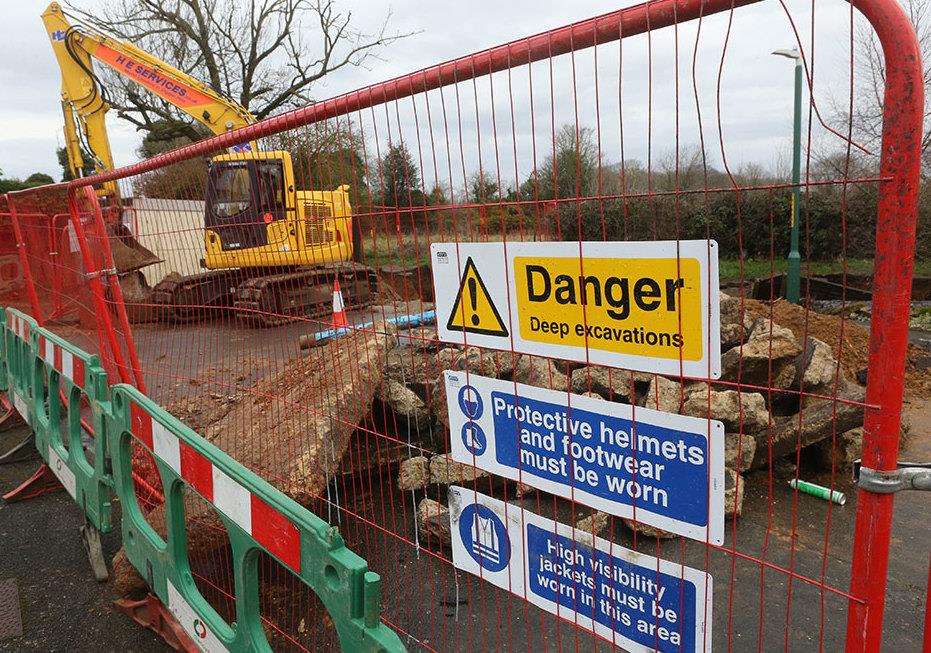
point(62, 607)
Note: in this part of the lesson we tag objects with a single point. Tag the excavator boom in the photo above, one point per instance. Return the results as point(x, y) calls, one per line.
point(84, 108)
point(76, 46)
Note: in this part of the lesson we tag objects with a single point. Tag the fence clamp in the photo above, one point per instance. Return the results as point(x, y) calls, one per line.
point(908, 476)
point(100, 273)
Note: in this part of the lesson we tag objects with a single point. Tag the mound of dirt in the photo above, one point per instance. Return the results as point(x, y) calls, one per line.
point(852, 350)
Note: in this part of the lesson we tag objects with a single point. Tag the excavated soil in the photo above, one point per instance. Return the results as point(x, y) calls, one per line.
point(853, 350)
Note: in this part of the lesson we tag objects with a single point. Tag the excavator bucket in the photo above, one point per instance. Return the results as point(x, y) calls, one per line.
point(128, 253)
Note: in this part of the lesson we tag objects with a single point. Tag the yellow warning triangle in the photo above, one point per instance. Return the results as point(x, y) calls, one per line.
point(474, 311)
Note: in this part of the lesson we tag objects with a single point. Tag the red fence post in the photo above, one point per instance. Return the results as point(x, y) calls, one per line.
point(116, 291)
point(105, 324)
point(926, 647)
point(897, 215)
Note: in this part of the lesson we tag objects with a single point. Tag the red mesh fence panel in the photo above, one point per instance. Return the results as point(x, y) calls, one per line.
point(51, 249)
point(629, 127)
point(65, 264)
point(63, 256)
point(12, 281)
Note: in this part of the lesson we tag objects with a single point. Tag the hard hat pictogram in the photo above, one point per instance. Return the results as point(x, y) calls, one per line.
point(470, 402)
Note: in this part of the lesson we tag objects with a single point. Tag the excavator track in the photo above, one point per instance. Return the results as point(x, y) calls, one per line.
point(274, 299)
point(194, 297)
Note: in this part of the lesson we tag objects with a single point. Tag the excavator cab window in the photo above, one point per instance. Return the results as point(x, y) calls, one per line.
point(233, 190)
point(270, 177)
point(243, 197)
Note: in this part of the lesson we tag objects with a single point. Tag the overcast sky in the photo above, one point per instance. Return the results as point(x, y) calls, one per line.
point(756, 86)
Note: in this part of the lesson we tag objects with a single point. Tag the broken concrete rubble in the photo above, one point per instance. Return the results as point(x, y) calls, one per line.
point(542, 372)
point(733, 408)
point(819, 419)
point(736, 323)
point(438, 404)
point(594, 524)
point(445, 471)
point(817, 367)
point(733, 493)
point(664, 394)
point(840, 453)
point(648, 531)
point(433, 522)
point(447, 357)
point(766, 359)
point(744, 411)
point(419, 472)
point(739, 451)
point(612, 384)
point(417, 370)
point(405, 403)
point(414, 473)
point(497, 364)
point(421, 338)
point(522, 489)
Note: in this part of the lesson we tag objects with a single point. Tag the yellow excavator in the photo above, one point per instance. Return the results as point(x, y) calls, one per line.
point(272, 252)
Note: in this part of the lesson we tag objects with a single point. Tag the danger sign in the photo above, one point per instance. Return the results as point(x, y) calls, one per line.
point(637, 305)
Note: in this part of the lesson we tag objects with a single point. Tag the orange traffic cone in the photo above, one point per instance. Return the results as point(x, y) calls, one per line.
point(339, 308)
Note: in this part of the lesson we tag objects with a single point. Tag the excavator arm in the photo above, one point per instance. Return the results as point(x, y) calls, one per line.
point(84, 106)
point(84, 100)
point(73, 141)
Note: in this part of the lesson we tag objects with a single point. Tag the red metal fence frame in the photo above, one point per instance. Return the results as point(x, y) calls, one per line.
point(895, 225)
point(897, 215)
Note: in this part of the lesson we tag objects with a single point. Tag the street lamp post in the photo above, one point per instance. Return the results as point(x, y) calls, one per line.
point(794, 272)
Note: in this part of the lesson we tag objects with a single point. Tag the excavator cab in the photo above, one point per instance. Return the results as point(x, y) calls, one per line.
point(254, 217)
point(243, 199)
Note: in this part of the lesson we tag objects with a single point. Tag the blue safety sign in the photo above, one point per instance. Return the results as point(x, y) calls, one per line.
point(473, 438)
point(611, 456)
point(470, 402)
point(639, 602)
point(485, 537)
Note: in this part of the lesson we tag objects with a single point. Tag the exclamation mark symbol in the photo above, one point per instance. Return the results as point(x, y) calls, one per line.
point(473, 298)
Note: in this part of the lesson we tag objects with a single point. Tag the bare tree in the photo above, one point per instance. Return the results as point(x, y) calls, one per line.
point(265, 54)
point(870, 77)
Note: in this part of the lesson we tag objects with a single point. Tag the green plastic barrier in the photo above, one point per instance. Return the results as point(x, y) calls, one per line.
point(256, 515)
point(62, 375)
point(5, 372)
point(19, 354)
point(47, 378)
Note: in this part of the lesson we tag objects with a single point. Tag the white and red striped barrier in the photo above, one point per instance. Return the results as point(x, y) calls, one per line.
point(63, 360)
point(261, 521)
point(18, 325)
